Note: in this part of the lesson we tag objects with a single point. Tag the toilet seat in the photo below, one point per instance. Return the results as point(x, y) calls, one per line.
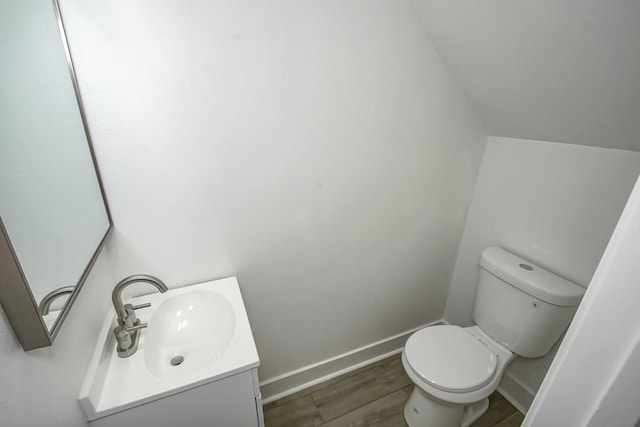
point(450, 359)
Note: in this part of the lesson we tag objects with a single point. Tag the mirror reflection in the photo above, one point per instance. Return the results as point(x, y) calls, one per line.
point(51, 202)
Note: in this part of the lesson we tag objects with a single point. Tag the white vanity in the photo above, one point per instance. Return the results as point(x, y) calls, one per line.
point(196, 364)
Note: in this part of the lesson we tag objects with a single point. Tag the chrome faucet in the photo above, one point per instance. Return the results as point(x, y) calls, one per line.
point(128, 330)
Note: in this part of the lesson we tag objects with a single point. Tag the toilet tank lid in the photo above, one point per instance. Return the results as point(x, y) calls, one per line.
point(530, 278)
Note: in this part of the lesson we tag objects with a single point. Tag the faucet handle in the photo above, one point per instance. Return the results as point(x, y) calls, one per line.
point(131, 319)
point(144, 305)
point(136, 327)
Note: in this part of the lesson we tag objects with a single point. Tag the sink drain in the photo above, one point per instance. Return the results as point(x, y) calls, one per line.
point(175, 361)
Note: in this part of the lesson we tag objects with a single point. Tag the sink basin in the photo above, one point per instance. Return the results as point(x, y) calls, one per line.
point(189, 332)
point(196, 334)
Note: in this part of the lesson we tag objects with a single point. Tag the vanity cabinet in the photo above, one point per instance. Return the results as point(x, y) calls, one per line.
point(234, 401)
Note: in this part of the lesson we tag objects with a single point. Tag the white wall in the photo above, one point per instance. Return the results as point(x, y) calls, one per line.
point(594, 379)
point(554, 204)
point(40, 387)
point(320, 151)
point(566, 71)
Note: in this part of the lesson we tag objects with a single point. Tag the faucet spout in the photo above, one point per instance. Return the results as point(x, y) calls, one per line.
point(116, 295)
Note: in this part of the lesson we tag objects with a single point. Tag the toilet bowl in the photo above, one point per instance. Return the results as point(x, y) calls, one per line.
point(520, 309)
point(454, 370)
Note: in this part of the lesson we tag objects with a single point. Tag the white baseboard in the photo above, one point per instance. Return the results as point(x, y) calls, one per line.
point(299, 379)
point(518, 394)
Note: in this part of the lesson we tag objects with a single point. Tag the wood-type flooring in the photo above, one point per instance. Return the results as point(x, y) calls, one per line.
point(372, 396)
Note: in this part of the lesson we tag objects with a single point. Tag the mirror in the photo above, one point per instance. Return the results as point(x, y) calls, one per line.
point(53, 214)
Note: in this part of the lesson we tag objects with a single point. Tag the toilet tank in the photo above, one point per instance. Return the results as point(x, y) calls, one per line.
point(521, 305)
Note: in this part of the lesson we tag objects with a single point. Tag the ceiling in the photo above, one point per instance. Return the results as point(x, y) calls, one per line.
point(554, 70)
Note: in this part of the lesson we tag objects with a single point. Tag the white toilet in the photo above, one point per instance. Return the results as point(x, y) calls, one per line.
point(520, 309)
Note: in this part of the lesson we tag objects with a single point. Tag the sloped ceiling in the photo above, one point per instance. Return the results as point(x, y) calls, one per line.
point(554, 70)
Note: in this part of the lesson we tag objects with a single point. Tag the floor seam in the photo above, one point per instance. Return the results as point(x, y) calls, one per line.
point(346, 377)
point(358, 407)
point(502, 419)
point(355, 409)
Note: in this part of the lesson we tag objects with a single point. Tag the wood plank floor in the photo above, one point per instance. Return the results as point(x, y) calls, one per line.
point(370, 396)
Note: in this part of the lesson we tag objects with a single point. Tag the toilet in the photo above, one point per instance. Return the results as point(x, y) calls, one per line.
point(520, 309)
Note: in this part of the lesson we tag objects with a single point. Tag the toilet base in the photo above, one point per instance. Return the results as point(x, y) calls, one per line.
point(422, 410)
point(473, 411)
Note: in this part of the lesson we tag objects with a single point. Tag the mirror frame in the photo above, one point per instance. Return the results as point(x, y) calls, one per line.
point(17, 299)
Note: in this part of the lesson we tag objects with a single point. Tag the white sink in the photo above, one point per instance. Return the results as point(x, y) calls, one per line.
point(190, 331)
point(195, 335)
